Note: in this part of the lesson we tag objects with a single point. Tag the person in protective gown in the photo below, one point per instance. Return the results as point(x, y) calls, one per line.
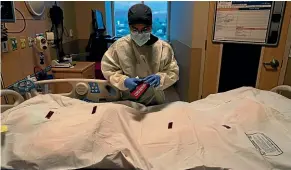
point(140, 57)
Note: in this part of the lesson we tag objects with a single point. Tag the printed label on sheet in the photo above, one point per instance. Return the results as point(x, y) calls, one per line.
point(264, 144)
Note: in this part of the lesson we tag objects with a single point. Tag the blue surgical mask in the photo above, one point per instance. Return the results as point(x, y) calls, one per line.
point(140, 38)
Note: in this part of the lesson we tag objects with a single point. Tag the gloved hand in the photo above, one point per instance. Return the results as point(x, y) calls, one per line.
point(131, 83)
point(153, 80)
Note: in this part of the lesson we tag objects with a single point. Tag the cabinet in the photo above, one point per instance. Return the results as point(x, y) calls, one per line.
point(82, 70)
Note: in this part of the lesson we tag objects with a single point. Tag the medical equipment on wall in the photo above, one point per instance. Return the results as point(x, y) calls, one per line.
point(8, 16)
point(41, 45)
point(50, 37)
point(7, 11)
point(56, 16)
point(4, 39)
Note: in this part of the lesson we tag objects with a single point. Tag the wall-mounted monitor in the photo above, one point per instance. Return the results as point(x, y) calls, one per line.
point(7, 11)
point(249, 22)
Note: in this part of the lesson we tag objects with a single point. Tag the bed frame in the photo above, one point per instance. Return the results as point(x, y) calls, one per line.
point(81, 88)
point(90, 90)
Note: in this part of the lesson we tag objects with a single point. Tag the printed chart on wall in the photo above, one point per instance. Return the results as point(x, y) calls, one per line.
point(242, 21)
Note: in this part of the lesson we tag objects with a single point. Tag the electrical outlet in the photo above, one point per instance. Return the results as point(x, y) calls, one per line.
point(4, 46)
point(30, 41)
point(22, 43)
point(13, 41)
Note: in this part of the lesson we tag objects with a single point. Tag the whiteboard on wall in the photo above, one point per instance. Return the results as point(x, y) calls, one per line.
point(242, 21)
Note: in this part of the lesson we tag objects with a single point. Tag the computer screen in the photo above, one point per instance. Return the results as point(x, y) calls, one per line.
point(7, 11)
point(99, 24)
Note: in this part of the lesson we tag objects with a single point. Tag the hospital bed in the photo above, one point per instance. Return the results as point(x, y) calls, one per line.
point(90, 90)
point(245, 128)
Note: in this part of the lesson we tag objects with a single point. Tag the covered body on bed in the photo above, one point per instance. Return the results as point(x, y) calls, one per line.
point(241, 129)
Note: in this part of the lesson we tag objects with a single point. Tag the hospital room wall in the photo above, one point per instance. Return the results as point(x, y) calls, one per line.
point(188, 31)
point(20, 63)
point(16, 65)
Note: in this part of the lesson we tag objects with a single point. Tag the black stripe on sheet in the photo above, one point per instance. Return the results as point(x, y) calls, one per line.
point(227, 127)
point(94, 109)
point(49, 115)
point(170, 125)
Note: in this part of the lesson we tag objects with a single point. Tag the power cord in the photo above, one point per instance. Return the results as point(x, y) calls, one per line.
point(39, 73)
point(23, 21)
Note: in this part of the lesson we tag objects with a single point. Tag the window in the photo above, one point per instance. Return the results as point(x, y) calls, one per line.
point(160, 17)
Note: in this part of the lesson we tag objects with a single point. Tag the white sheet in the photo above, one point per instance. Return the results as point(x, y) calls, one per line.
point(214, 132)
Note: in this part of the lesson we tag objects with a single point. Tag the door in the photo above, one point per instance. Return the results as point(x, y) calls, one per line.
point(239, 66)
point(266, 78)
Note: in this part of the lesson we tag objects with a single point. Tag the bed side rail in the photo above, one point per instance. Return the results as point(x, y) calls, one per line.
point(283, 90)
point(17, 97)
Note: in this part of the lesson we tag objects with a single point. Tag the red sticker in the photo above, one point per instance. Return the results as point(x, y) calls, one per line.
point(140, 89)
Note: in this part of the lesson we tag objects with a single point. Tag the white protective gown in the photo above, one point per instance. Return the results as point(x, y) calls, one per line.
point(125, 59)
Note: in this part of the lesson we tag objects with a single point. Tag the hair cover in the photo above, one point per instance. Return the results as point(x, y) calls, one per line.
point(140, 14)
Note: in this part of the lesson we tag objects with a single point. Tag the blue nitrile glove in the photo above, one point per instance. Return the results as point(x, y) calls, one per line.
point(153, 80)
point(131, 83)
